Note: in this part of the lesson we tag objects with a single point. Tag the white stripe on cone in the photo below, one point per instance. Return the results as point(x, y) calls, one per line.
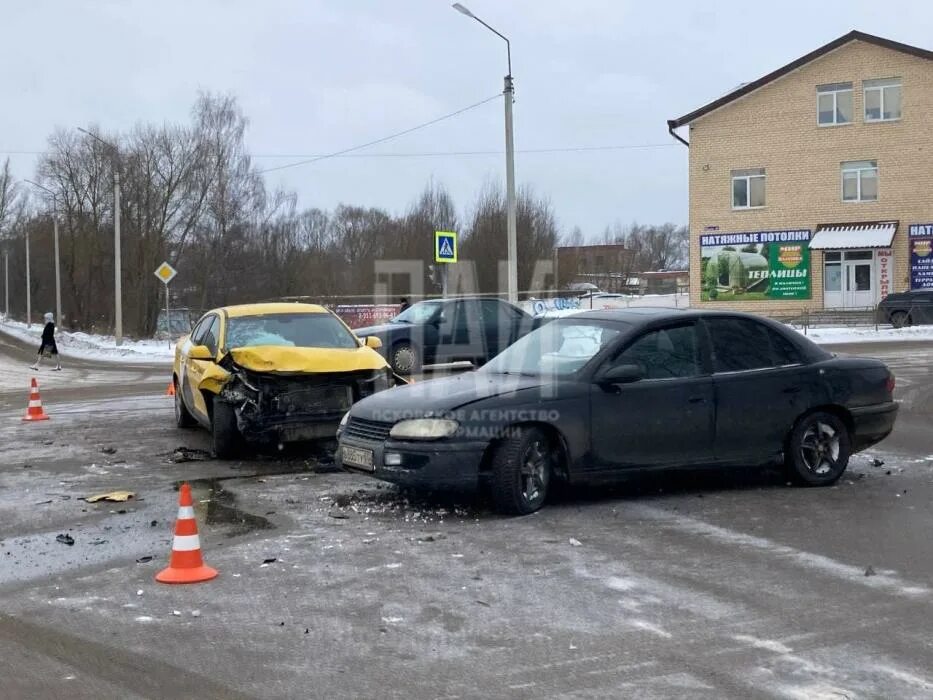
point(186, 543)
point(35, 404)
point(185, 513)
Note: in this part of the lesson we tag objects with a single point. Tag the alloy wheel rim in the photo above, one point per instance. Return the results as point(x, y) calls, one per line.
point(819, 448)
point(535, 472)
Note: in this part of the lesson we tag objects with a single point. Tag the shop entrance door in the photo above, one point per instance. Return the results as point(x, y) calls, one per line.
point(858, 279)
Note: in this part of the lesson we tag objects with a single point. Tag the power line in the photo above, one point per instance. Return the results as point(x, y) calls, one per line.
point(435, 154)
point(384, 138)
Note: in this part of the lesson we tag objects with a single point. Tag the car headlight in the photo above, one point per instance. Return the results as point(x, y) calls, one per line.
point(424, 429)
point(343, 423)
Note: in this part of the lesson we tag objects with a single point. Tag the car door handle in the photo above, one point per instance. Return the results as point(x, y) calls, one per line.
point(697, 399)
point(792, 390)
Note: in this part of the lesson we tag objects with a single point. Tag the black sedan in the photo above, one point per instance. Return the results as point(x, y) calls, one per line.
point(441, 331)
point(599, 393)
point(907, 308)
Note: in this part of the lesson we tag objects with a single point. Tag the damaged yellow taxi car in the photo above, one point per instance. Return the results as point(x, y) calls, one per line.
point(273, 373)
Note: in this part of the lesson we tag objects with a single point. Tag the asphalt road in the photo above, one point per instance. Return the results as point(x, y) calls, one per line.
point(698, 585)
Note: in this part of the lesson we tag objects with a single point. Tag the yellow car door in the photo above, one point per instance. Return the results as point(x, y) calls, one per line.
point(196, 366)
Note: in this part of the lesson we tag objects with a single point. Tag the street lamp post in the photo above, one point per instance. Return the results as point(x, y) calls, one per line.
point(117, 254)
point(58, 275)
point(508, 93)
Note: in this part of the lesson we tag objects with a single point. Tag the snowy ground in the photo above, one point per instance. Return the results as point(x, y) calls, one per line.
point(867, 334)
point(821, 335)
point(93, 347)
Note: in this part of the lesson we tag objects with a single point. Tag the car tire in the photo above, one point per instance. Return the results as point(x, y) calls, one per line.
point(899, 319)
point(405, 359)
point(522, 470)
point(226, 440)
point(818, 450)
point(183, 417)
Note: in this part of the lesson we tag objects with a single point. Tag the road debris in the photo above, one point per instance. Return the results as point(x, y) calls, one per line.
point(66, 539)
point(187, 454)
point(574, 542)
point(139, 592)
point(108, 450)
point(870, 571)
point(877, 462)
point(176, 613)
point(145, 560)
point(266, 562)
point(112, 497)
point(98, 541)
point(195, 613)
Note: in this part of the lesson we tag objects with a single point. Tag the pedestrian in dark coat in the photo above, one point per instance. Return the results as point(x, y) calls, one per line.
point(48, 345)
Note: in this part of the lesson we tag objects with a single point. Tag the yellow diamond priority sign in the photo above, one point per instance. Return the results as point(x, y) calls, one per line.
point(166, 272)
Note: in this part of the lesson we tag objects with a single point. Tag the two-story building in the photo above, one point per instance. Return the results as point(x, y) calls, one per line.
point(812, 187)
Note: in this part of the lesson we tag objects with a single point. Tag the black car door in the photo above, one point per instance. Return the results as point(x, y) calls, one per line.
point(762, 386)
point(460, 332)
point(664, 419)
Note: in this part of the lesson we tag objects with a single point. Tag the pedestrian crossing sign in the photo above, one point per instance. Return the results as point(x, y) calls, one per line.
point(445, 246)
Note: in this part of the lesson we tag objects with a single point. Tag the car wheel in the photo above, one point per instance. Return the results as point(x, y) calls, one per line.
point(183, 418)
point(818, 450)
point(226, 438)
point(404, 359)
point(899, 319)
point(521, 472)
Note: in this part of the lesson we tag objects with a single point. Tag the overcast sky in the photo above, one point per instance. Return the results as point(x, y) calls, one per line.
point(316, 76)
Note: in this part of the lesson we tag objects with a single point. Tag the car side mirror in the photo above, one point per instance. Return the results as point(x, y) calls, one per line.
point(373, 342)
point(621, 374)
point(200, 352)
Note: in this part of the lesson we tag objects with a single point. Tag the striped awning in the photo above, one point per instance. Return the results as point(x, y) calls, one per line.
point(876, 234)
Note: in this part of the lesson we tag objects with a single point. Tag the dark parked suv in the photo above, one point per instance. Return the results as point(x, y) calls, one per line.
point(907, 308)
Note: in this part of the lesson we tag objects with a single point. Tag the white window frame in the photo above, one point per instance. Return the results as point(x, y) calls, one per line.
point(879, 87)
point(748, 174)
point(858, 182)
point(834, 89)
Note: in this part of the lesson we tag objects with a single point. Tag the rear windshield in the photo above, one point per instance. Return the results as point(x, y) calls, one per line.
point(289, 330)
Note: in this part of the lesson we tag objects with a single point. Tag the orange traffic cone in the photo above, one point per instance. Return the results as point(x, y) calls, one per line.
point(185, 564)
point(171, 389)
point(34, 411)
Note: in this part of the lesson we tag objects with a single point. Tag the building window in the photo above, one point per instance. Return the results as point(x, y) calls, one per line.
point(882, 100)
point(748, 188)
point(834, 104)
point(860, 181)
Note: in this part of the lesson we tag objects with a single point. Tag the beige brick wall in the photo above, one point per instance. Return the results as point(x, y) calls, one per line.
point(776, 128)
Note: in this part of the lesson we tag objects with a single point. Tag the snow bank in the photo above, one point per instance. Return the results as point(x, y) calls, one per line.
point(867, 334)
point(84, 346)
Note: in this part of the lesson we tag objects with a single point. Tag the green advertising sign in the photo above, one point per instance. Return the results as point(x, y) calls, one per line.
point(757, 266)
point(789, 270)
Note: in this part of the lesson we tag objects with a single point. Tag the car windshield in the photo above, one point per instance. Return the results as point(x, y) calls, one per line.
point(300, 330)
point(558, 348)
point(418, 313)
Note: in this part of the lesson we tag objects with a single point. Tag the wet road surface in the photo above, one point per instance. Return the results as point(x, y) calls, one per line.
point(701, 584)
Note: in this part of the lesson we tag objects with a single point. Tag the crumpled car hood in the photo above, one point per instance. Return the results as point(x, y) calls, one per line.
point(292, 360)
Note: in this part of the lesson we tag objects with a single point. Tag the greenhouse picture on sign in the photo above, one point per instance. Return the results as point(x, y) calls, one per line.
point(757, 266)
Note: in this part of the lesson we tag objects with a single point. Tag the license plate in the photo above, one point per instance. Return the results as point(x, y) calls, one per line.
point(357, 457)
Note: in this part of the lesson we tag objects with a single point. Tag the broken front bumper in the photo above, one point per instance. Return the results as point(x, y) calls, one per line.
point(297, 407)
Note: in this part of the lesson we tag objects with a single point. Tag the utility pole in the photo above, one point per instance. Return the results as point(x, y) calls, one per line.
point(508, 94)
point(6, 280)
point(117, 256)
point(58, 269)
point(510, 189)
point(28, 285)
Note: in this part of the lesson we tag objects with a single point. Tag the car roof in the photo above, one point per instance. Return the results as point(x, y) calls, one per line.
point(638, 315)
point(241, 310)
